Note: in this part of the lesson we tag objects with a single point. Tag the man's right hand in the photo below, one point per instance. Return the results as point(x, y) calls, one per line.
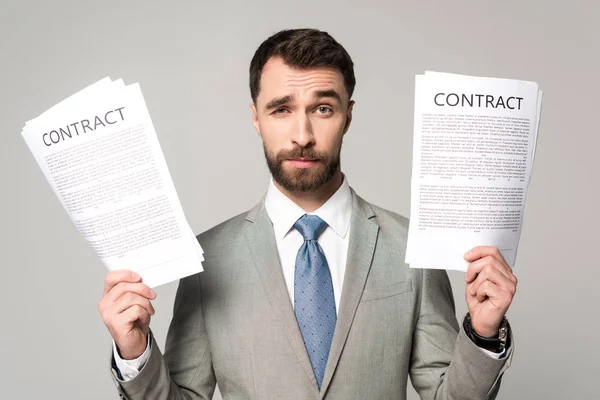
point(126, 310)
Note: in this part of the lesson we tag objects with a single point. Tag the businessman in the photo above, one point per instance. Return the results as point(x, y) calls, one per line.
point(307, 295)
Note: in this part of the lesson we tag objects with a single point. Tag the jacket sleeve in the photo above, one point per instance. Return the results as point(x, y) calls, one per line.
point(445, 363)
point(185, 371)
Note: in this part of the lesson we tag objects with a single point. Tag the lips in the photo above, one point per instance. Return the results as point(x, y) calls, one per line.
point(302, 162)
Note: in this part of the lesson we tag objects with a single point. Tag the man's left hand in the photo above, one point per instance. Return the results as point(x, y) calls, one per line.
point(490, 289)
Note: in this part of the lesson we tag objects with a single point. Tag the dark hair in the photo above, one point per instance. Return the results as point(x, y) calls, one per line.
point(302, 48)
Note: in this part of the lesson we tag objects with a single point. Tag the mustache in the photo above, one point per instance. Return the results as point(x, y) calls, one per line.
point(301, 152)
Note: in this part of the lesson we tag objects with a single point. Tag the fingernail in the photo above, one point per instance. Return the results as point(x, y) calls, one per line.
point(135, 275)
point(468, 254)
point(152, 292)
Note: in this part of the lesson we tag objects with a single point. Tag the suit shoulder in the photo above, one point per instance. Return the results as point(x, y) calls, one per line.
point(390, 220)
point(393, 227)
point(223, 232)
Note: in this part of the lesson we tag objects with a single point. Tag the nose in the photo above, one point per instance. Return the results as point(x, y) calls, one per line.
point(303, 135)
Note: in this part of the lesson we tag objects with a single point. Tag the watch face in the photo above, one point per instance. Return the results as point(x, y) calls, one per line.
point(502, 333)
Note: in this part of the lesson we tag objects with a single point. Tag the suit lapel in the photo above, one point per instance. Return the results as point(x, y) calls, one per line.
point(265, 257)
point(363, 238)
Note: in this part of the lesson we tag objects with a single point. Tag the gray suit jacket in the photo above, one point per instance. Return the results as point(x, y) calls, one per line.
point(234, 324)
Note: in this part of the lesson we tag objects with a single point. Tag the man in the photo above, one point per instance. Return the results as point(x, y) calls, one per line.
point(307, 296)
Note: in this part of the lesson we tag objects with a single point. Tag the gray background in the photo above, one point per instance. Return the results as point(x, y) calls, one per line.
point(191, 59)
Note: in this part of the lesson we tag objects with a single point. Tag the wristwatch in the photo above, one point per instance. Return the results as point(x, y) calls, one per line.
point(493, 344)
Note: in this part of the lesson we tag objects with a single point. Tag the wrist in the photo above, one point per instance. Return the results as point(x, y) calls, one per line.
point(486, 333)
point(133, 353)
point(489, 340)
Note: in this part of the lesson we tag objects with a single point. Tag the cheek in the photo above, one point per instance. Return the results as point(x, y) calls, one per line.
point(328, 132)
point(274, 133)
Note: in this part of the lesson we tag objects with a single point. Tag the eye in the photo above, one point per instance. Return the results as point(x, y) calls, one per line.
point(324, 110)
point(280, 110)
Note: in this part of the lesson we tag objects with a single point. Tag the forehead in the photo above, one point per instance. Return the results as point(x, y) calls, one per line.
point(279, 79)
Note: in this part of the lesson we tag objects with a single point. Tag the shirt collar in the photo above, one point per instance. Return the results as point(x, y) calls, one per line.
point(284, 213)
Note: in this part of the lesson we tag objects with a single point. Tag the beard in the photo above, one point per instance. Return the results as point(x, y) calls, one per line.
point(303, 179)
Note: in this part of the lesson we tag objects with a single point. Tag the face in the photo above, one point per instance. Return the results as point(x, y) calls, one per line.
point(302, 116)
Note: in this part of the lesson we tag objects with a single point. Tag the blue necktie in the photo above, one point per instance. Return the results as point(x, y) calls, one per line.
point(314, 304)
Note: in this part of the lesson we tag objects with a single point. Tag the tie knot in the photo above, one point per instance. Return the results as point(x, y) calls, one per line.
point(310, 226)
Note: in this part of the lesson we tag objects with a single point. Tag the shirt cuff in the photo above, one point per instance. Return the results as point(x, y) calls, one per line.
point(497, 356)
point(129, 369)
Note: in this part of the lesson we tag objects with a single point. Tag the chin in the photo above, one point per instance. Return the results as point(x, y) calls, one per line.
point(303, 180)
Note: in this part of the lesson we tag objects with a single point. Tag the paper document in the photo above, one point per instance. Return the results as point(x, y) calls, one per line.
point(473, 151)
point(100, 154)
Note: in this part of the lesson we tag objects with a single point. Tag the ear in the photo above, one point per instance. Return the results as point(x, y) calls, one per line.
point(255, 119)
point(348, 116)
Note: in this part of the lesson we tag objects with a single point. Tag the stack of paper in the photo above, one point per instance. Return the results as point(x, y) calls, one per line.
point(100, 154)
point(473, 151)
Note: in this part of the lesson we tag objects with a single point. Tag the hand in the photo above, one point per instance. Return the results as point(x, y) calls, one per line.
point(490, 289)
point(126, 310)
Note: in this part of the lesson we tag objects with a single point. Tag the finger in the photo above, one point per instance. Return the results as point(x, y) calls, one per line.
point(494, 275)
point(124, 287)
point(484, 291)
point(471, 300)
point(130, 299)
point(477, 266)
point(496, 296)
point(133, 314)
point(123, 275)
point(481, 251)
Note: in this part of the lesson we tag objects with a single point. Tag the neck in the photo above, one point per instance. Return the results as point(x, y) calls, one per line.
point(311, 201)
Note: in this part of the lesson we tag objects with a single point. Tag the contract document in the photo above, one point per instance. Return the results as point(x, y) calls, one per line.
point(100, 154)
point(473, 151)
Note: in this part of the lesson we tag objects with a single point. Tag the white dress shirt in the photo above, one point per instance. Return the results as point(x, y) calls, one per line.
point(336, 212)
point(283, 213)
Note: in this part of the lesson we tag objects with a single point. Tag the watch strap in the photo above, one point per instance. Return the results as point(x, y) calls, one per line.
point(494, 344)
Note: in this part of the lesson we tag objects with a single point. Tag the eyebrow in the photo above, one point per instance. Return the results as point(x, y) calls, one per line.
point(328, 93)
point(280, 101)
